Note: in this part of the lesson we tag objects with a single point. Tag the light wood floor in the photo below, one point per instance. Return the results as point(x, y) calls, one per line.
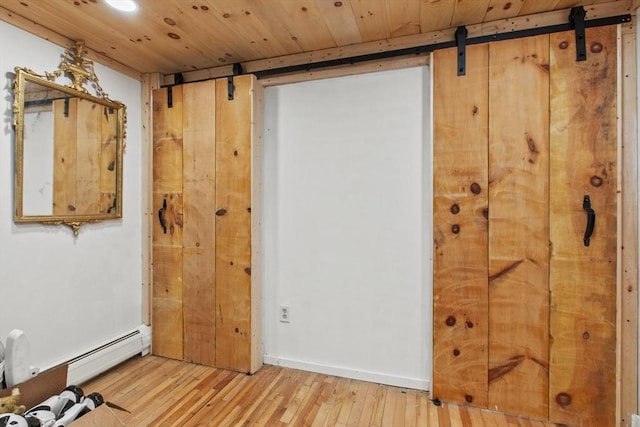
point(164, 392)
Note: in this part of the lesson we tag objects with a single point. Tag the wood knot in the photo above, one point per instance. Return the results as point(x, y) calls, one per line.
point(475, 188)
point(563, 399)
point(531, 143)
point(596, 47)
point(468, 398)
point(248, 270)
point(596, 181)
point(455, 209)
point(456, 352)
point(455, 228)
point(586, 335)
point(563, 44)
point(450, 321)
point(485, 213)
point(221, 212)
point(469, 324)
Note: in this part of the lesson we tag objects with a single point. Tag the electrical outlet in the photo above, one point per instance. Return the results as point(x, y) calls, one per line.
point(285, 314)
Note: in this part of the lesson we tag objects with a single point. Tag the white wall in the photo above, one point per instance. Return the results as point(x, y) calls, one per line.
point(68, 294)
point(347, 226)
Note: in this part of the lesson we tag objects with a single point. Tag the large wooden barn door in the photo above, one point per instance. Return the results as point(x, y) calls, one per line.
point(524, 306)
point(205, 305)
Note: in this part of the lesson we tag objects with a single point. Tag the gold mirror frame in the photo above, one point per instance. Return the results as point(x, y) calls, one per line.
point(80, 71)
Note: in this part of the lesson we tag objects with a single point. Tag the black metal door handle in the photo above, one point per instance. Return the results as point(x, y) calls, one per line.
point(591, 219)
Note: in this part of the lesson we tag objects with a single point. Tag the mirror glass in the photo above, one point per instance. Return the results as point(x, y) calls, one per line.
point(69, 147)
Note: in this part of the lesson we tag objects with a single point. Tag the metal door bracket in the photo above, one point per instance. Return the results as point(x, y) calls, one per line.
point(461, 43)
point(576, 19)
point(178, 79)
point(237, 70)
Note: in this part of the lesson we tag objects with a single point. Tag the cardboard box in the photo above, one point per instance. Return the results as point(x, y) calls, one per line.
point(102, 416)
point(52, 382)
point(41, 387)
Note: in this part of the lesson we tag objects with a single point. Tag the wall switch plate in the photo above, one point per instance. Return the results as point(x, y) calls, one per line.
point(285, 314)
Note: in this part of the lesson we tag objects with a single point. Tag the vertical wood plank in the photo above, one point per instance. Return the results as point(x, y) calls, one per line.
point(199, 163)
point(460, 227)
point(150, 82)
point(629, 236)
point(257, 270)
point(583, 278)
point(519, 226)
point(108, 164)
point(88, 148)
point(233, 225)
point(64, 153)
point(167, 339)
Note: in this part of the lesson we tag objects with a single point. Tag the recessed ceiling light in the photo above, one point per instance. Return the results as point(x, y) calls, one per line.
point(123, 5)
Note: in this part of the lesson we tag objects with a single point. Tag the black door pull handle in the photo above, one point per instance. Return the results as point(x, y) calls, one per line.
point(591, 219)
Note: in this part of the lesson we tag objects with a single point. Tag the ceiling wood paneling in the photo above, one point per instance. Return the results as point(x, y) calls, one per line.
point(168, 36)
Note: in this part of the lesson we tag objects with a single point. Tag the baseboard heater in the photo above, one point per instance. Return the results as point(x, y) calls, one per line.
point(94, 362)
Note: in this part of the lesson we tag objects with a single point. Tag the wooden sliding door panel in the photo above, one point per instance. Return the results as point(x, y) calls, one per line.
point(167, 296)
point(205, 303)
point(233, 224)
point(583, 278)
point(519, 226)
point(527, 297)
point(199, 169)
point(460, 227)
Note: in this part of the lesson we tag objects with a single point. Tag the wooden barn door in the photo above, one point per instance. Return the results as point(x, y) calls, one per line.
point(524, 309)
point(205, 304)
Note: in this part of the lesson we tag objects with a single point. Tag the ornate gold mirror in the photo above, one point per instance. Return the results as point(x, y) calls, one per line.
point(69, 146)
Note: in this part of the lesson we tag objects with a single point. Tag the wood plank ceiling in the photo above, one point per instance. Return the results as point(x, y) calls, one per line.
point(170, 36)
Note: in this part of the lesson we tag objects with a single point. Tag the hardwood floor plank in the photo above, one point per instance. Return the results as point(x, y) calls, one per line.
point(165, 392)
point(400, 407)
point(378, 411)
point(423, 410)
point(476, 418)
point(338, 395)
point(347, 404)
point(255, 399)
point(367, 402)
point(411, 409)
point(389, 407)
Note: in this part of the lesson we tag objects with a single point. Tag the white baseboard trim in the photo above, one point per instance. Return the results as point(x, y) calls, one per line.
point(108, 355)
point(100, 358)
point(374, 377)
point(635, 420)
